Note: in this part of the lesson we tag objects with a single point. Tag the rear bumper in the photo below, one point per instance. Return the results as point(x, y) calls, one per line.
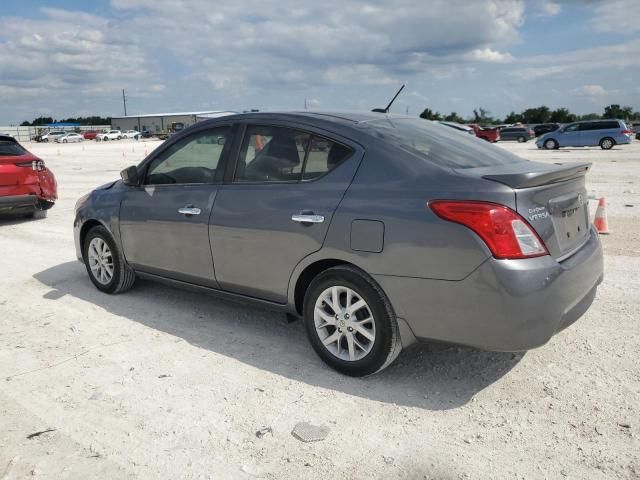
point(12, 203)
point(504, 305)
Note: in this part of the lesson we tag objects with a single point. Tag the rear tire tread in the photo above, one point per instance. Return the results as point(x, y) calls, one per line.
point(395, 346)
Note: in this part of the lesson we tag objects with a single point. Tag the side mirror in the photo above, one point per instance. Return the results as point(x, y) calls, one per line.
point(221, 140)
point(130, 176)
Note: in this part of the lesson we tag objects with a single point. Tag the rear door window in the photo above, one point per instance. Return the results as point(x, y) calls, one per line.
point(280, 154)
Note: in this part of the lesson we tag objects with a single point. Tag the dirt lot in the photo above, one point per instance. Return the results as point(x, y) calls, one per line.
point(161, 383)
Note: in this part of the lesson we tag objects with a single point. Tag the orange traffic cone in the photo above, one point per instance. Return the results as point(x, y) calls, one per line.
point(600, 222)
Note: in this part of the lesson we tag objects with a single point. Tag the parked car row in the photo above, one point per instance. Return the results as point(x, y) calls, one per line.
point(62, 136)
point(603, 133)
point(118, 135)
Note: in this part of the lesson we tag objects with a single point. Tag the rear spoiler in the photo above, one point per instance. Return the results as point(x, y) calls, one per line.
point(561, 173)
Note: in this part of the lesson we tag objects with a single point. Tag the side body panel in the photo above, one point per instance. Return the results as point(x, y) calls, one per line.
point(156, 238)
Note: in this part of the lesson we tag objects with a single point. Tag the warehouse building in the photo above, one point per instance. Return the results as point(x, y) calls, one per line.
point(164, 122)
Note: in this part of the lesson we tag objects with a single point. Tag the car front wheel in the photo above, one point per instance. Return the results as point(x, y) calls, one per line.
point(550, 144)
point(350, 322)
point(522, 139)
point(105, 263)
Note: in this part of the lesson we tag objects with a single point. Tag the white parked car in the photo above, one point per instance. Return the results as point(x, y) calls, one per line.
point(132, 134)
point(52, 135)
point(110, 135)
point(70, 138)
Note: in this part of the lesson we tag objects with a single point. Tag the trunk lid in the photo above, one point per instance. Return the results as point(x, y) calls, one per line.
point(551, 197)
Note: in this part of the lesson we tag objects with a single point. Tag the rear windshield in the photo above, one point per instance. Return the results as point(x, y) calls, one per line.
point(440, 145)
point(10, 149)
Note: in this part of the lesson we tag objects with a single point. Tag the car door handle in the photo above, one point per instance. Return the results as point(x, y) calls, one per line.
point(189, 211)
point(307, 218)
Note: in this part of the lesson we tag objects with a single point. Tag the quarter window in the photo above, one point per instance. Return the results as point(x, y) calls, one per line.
point(193, 160)
point(324, 156)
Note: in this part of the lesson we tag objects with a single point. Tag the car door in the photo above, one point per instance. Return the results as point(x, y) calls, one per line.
point(276, 206)
point(570, 136)
point(164, 223)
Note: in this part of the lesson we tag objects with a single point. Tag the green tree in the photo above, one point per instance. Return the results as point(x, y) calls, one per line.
point(482, 116)
point(589, 116)
point(616, 111)
point(562, 115)
point(513, 117)
point(536, 115)
point(454, 117)
point(429, 114)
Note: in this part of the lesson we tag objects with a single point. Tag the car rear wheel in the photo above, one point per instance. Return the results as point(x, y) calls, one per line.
point(522, 139)
point(105, 263)
point(350, 322)
point(607, 143)
point(550, 144)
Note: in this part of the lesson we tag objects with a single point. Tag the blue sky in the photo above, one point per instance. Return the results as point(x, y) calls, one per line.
point(68, 58)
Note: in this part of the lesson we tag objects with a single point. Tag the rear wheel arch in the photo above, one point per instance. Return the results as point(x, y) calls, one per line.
point(307, 275)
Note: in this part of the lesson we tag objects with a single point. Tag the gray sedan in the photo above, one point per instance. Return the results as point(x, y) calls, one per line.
point(377, 230)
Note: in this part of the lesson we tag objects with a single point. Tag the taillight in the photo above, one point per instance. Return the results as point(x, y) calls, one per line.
point(37, 165)
point(626, 132)
point(505, 232)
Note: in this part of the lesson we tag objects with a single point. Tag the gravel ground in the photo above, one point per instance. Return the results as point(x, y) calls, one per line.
point(161, 383)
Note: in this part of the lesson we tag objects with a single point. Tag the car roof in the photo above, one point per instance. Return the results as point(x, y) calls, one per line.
point(342, 117)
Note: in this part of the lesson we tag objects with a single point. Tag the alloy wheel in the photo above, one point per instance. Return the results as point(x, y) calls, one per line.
point(344, 323)
point(101, 261)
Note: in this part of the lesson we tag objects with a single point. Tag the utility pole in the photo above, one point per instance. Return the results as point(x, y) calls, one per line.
point(305, 103)
point(124, 101)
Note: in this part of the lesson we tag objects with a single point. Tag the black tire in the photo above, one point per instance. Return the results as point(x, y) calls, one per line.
point(607, 143)
point(123, 275)
point(551, 144)
point(522, 139)
point(386, 345)
point(119, 138)
point(64, 141)
point(46, 140)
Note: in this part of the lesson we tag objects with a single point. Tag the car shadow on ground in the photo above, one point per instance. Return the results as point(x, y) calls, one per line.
point(15, 219)
point(429, 376)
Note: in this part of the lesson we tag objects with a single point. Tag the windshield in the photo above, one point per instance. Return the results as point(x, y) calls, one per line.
point(439, 144)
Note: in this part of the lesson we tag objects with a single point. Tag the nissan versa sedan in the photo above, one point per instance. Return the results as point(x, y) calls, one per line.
point(375, 229)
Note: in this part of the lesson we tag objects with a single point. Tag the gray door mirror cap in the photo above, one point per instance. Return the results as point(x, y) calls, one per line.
point(130, 176)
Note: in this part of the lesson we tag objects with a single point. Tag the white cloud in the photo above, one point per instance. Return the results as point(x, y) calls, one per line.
point(591, 91)
point(549, 8)
point(618, 16)
point(489, 55)
point(578, 62)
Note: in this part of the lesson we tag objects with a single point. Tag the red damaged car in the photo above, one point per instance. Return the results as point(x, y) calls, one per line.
point(26, 186)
